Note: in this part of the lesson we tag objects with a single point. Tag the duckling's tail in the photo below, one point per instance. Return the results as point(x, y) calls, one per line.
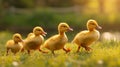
point(44, 46)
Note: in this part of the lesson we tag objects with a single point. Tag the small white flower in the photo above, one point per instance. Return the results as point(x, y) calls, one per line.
point(15, 63)
point(100, 62)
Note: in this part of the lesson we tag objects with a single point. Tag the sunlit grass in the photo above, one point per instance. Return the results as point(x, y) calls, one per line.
point(104, 54)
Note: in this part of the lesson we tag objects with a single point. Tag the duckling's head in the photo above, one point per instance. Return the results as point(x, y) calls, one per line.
point(30, 34)
point(64, 27)
point(17, 37)
point(39, 31)
point(92, 24)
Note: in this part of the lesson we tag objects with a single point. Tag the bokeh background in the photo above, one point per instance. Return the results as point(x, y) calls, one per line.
point(22, 15)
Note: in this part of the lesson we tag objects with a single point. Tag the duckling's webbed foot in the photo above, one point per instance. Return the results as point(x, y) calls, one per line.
point(88, 48)
point(43, 51)
point(22, 50)
point(66, 50)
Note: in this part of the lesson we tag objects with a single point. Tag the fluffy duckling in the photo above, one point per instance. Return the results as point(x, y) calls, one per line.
point(29, 36)
point(35, 39)
point(87, 37)
point(58, 41)
point(14, 45)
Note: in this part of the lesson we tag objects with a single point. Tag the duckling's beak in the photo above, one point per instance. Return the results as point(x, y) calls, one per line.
point(22, 41)
point(99, 27)
point(70, 29)
point(44, 33)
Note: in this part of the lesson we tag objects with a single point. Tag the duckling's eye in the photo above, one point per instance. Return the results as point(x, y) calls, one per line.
point(17, 37)
point(38, 30)
point(63, 26)
point(92, 24)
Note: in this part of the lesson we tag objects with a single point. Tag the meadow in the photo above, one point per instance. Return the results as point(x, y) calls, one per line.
point(22, 15)
point(104, 54)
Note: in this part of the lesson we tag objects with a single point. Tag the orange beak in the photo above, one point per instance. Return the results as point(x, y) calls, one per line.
point(99, 27)
point(44, 33)
point(70, 29)
point(22, 41)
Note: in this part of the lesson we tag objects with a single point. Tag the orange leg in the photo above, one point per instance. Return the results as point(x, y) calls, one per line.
point(7, 51)
point(53, 52)
point(43, 51)
point(78, 49)
point(22, 50)
point(87, 48)
point(28, 51)
point(66, 50)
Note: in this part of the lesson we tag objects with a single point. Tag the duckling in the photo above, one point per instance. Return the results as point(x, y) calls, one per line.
point(87, 37)
point(29, 36)
point(35, 39)
point(58, 41)
point(14, 45)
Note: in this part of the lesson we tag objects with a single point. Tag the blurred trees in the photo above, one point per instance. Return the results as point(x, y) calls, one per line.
point(118, 5)
point(51, 3)
point(58, 3)
point(15, 13)
point(101, 5)
point(80, 2)
point(80, 5)
point(18, 3)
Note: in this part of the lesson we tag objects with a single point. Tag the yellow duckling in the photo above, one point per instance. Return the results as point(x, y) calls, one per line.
point(29, 36)
point(35, 39)
point(14, 45)
point(58, 41)
point(87, 37)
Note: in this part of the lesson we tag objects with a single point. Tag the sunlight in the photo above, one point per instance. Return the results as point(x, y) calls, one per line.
point(110, 6)
point(110, 36)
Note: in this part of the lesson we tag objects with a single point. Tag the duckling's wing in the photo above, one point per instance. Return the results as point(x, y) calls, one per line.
point(80, 37)
point(52, 41)
point(30, 36)
point(9, 43)
point(87, 38)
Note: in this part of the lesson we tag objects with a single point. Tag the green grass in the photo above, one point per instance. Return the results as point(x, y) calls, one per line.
point(104, 54)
